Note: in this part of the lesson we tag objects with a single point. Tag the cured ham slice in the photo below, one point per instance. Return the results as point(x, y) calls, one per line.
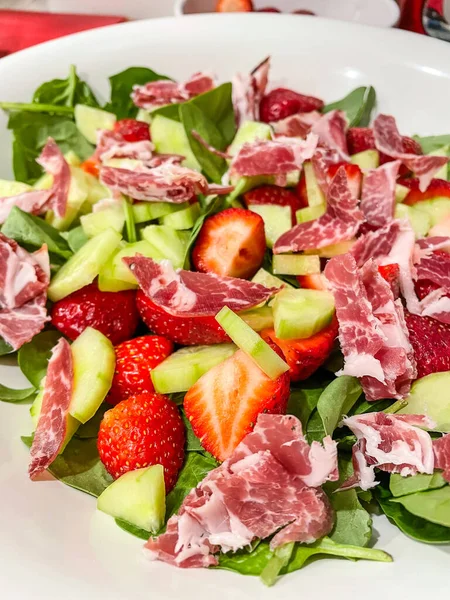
point(392, 443)
point(193, 294)
point(441, 449)
point(258, 491)
point(52, 425)
point(111, 144)
point(389, 141)
point(332, 129)
point(32, 202)
point(378, 194)
point(248, 91)
point(434, 268)
point(159, 93)
point(54, 163)
point(340, 223)
point(323, 159)
point(298, 125)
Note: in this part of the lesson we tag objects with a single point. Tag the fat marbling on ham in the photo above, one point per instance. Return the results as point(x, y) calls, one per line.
point(269, 485)
point(298, 125)
point(54, 163)
point(32, 202)
point(331, 129)
point(158, 93)
point(52, 424)
point(186, 293)
point(378, 194)
point(248, 91)
point(441, 449)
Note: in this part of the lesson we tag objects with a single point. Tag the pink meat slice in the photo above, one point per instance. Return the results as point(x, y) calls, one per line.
point(32, 202)
point(389, 141)
point(159, 93)
point(341, 221)
point(378, 194)
point(392, 443)
point(248, 91)
point(332, 129)
point(323, 159)
point(54, 163)
point(376, 244)
point(436, 269)
point(52, 425)
point(111, 144)
point(441, 449)
point(186, 293)
point(298, 125)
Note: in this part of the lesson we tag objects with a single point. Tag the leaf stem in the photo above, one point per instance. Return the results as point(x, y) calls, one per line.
point(35, 107)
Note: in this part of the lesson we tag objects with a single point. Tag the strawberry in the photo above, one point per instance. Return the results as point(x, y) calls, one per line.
point(112, 313)
point(234, 6)
point(134, 361)
point(269, 9)
point(141, 431)
point(132, 130)
point(225, 402)
point(391, 273)
point(362, 138)
point(438, 188)
point(281, 103)
point(430, 340)
point(273, 194)
point(187, 331)
point(305, 356)
point(313, 282)
point(231, 243)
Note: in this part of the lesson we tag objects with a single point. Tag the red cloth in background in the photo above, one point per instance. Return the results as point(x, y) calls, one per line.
point(21, 29)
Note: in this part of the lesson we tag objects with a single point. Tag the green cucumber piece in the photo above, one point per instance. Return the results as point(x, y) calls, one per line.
point(443, 171)
point(429, 396)
point(167, 243)
point(299, 314)
point(315, 195)
point(89, 119)
point(72, 159)
point(94, 361)
point(96, 222)
point(420, 220)
point(13, 188)
point(95, 190)
point(258, 318)
point(248, 132)
point(332, 249)
point(149, 211)
point(78, 194)
point(138, 497)
point(368, 159)
point(131, 164)
point(268, 280)
point(309, 213)
point(251, 343)
point(437, 209)
point(182, 219)
point(169, 137)
point(401, 191)
point(144, 115)
point(107, 282)
point(277, 220)
point(295, 264)
point(119, 268)
point(183, 368)
point(84, 266)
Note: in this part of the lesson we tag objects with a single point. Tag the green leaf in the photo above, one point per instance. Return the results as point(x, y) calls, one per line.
point(32, 232)
point(5, 348)
point(432, 505)
point(130, 226)
point(433, 142)
point(357, 105)
point(217, 106)
point(192, 442)
point(65, 92)
point(16, 396)
point(280, 559)
point(303, 401)
point(336, 400)
point(245, 562)
point(33, 357)
point(402, 486)
point(217, 204)
point(363, 406)
point(195, 469)
point(121, 87)
point(90, 428)
point(76, 238)
point(314, 428)
point(34, 107)
point(136, 531)
point(170, 111)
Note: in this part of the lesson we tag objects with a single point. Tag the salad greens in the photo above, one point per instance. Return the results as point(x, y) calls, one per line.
point(34, 356)
point(357, 105)
point(14, 396)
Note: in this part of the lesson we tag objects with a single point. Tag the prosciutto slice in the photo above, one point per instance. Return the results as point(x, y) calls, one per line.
point(389, 141)
point(392, 443)
point(441, 449)
point(378, 194)
point(248, 91)
point(298, 125)
point(32, 202)
point(322, 160)
point(185, 293)
point(332, 129)
point(258, 491)
point(54, 163)
point(154, 94)
point(111, 144)
point(340, 222)
point(52, 425)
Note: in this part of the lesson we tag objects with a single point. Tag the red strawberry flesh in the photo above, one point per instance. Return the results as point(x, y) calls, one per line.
point(272, 194)
point(281, 103)
point(132, 130)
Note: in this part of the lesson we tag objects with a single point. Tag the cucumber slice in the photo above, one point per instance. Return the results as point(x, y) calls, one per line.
point(443, 171)
point(119, 268)
point(131, 164)
point(13, 188)
point(182, 219)
point(401, 191)
point(149, 211)
point(84, 266)
point(94, 361)
point(249, 131)
point(420, 220)
point(258, 318)
point(295, 264)
point(107, 282)
point(309, 213)
point(183, 368)
point(368, 159)
point(315, 195)
point(72, 159)
point(251, 343)
point(429, 396)
point(268, 280)
point(437, 209)
point(144, 115)
point(332, 250)
point(138, 497)
point(299, 314)
point(78, 194)
point(277, 220)
point(169, 137)
point(166, 243)
point(89, 119)
point(95, 223)
point(95, 190)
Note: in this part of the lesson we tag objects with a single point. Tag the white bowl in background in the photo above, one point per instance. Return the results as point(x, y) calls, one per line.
point(380, 13)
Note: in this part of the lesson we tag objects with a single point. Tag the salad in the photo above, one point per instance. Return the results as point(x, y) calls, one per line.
point(231, 302)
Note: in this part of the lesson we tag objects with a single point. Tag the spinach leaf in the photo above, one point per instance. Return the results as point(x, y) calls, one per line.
point(336, 400)
point(217, 106)
point(31, 232)
point(245, 562)
point(303, 401)
point(432, 505)
point(192, 442)
point(16, 396)
point(363, 406)
point(357, 105)
point(280, 559)
point(76, 238)
point(33, 357)
point(216, 205)
point(170, 111)
point(90, 428)
point(130, 528)
point(5, 348)
point(121, 87)
point(34, 107)
point(196, 467)
point(314, 428)
point(66, 92)
point(433, 142)
point(402, 486)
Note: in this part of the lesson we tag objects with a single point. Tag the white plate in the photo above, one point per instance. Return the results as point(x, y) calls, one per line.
point(53, 543)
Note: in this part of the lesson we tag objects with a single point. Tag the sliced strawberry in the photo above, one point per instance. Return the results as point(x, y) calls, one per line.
point(313, 282)
point(281, 103)
point(231, 243)
point(135, 359)
point(438, 188)
point(234, 6)
point(430, 340)
point(187, 331)
point(225, 402)
point(273, 194)
point(132, 130)
point(305, 356)
point(301, 190)
point(391, 273)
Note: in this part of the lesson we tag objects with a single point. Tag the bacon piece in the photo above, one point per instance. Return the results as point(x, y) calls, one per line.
point(332, 132)
point(392, 443)
point(185, 293)
point(248, 91)
point(298, 125)
point(52, 425)
point(378, 194)
point(340, 223)
point(441, 449)
point(389, 141)
point(159, 93)
point(32, 202)
point(54, 163)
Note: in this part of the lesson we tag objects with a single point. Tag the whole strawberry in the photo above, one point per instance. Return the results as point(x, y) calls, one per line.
point(141, 431)
point(112, 313)
point(134, 361)
point(281, 103)
point(132, 130)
